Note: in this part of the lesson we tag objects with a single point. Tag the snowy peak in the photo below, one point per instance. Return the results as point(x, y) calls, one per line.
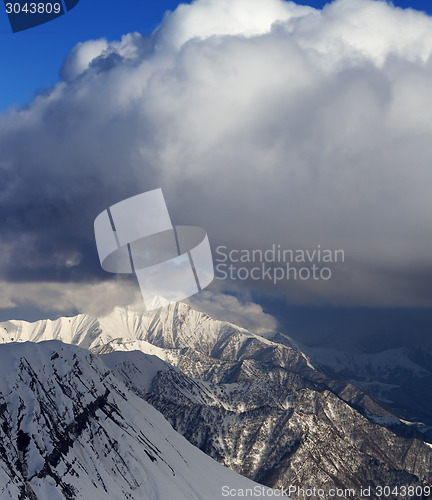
point(175, 327)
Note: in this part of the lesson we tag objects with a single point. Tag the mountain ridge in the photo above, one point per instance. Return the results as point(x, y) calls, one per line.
point(260, 406)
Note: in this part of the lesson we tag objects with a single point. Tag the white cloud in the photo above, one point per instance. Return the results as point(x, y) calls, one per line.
point(243, 313)
point(210, 18)
point(263, 122)
point(81, 56)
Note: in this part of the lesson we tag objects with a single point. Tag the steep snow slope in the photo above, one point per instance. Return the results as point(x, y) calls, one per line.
point(69, 429)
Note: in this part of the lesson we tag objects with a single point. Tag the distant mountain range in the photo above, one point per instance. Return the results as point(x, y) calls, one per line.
point(400, 378)
point(279, 413)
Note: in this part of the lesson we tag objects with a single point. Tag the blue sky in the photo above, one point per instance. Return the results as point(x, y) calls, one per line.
point(30, 60)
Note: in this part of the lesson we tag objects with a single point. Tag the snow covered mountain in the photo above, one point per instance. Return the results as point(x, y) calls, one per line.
point(69, 429)
point(199, 345)
point(262, 407)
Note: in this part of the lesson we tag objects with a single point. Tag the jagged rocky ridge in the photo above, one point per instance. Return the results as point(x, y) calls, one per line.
point(259, 406)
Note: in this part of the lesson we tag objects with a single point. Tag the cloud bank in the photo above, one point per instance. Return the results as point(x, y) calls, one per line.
point(263, 121)
point(244, 313)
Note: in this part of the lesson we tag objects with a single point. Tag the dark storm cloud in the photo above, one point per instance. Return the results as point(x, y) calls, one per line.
point(262, 121)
